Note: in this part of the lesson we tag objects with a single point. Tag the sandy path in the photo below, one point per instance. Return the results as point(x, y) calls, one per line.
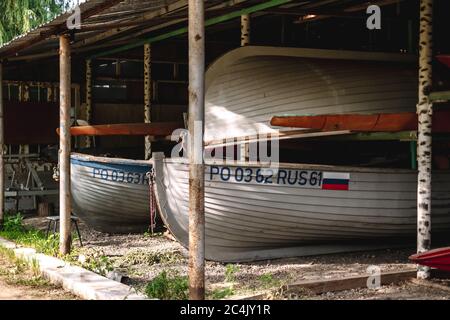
point(10, 289)
point(8, 292)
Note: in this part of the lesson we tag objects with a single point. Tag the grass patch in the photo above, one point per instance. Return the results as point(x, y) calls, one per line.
point(267, 280)
point(19, 272)
point(141, 257)
point(168, 286)
point(32, 282)
point(93, 260)
point(14, 230)
point(219, 294)
point(20, 266)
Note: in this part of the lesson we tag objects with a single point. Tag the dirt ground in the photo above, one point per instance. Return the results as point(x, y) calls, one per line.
point(141, 257)
point(21, 284)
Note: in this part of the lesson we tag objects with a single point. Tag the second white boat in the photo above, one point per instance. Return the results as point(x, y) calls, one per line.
point(252, 214)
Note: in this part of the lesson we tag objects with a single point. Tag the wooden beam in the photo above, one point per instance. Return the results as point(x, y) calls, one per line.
point(347, 11)
point(349, 283)
point(145, 17)
point(184, 30)
point(126, 33)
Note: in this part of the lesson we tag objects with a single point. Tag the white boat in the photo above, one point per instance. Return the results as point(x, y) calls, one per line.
point(301, 210)
point(247, 86)
point(111, 195)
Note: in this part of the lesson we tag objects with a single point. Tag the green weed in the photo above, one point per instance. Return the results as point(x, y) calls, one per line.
point(167, 286)
point(230, 272)
point(141, 257)
point(220, 294)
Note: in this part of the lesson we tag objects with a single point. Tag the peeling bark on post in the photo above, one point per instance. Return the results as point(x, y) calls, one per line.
point(424, 110)
point(2, 144)
point(65, 207)
point(245, 30)
point(147, 96)
point(88, 98)
point(196, 147)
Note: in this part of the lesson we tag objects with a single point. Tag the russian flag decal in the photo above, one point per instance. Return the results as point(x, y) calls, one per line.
point(336, 181)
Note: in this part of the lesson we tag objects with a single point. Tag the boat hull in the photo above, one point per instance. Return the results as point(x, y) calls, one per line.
point(248, 85)
point(111, 195)
point(251, 217)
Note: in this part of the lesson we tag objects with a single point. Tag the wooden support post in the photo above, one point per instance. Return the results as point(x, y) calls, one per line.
point(147, 96)
point(424, 110)
point(87, 142)
point(196, 149)
point(64, 139)
point(2, 143)
point(245, 41)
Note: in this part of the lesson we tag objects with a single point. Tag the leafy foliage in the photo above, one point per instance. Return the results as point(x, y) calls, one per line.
point(91, 259)
point(167, 286)
point(13, 223)
point(20, 16)
point(14, 230)
point(268, 280)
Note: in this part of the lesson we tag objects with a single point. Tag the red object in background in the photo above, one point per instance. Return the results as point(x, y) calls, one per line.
point(444, 58)
point(31, 122)
point(437, 258)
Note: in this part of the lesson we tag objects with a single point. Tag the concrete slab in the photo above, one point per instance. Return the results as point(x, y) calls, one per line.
point(81, 282)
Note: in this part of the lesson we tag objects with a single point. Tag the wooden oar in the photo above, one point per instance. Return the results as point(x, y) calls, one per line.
point(156, 129)
point(383, 122)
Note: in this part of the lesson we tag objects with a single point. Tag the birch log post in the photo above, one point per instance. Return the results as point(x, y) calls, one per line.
point(87, 142)
point(424, 152)
point(245, 30)
point(245, 41)
point(147, 96)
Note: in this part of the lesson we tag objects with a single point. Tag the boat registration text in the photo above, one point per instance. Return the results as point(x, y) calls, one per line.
point(288, 177)
point(120, 176)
